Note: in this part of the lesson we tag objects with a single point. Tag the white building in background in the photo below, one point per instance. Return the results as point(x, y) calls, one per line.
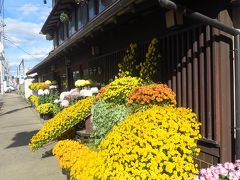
point(4, 67)
point(4, 73)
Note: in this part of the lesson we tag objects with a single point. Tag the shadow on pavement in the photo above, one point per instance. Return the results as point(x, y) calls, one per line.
point(15, 110)
point(21, 139)
point(47, 154)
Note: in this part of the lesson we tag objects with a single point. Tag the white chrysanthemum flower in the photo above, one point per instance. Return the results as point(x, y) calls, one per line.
point(46, 91)
point(40, 92)
point(85, 93)
point(94, 90)
point(52, 87)
point(65, 103)
point(74, 90)
point(56, 101)
point(82, 92)
point(74, 94)
point(63, 95)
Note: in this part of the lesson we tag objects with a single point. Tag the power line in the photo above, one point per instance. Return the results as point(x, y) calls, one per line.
point(5, 38)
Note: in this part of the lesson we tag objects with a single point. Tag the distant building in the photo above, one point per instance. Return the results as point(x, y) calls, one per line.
point(4, 73)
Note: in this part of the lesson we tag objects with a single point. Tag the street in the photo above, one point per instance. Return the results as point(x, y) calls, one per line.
point(18, 123)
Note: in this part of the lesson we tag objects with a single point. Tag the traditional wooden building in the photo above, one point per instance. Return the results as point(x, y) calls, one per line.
point(197, 59)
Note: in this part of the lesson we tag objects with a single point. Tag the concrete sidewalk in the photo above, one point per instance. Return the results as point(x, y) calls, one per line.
point(18, 123)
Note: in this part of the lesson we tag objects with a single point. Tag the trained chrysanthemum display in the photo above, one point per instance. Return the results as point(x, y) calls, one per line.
point(37, 86)
point(81, 83)
point(119, 90)
point(158, 143)
point(82, 162)
point(155, 94)
point(46, 108)
point(61, 152)
point(63, 121)
point(226, 171)
point(34, 100)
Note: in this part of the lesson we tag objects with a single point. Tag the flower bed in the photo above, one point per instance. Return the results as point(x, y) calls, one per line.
point(143, 146)
point(63, 121)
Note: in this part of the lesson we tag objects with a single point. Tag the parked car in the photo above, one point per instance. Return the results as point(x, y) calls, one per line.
point(9, 89)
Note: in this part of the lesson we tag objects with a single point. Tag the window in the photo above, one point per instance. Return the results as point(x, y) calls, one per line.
point(91, 9)
point(63, 83)
point(65, 31)
point(82, 15)
point(60, 34)
point(72, 24)
point(103, 4)
point(76, 76)
point(55, 40)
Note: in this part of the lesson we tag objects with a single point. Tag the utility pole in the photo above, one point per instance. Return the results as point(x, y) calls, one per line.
point(3, 63)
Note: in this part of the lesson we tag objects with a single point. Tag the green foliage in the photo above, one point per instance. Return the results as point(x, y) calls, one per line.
point(64, 18)
point(48, 98)
point(105, 116)
point(148, 68)
point(126, 68)
point(56, 109)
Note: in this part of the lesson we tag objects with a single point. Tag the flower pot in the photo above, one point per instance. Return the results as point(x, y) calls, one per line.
point(88, 124)
point(35, 92)
point(46, 116)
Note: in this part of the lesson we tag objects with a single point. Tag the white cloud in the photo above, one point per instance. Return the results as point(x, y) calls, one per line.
point(35, 11)
point(22, 28)
point(22, 32)
point(28, 9)
point(37, 54)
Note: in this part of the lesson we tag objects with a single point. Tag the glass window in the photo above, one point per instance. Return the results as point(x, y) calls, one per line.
point(55, 40)
point(103, 4)
point(63, 83)
point(82, 15)
point(65, 31)
point(91, 9)
point(76, 76)
point(72, 24)
point(60, 34)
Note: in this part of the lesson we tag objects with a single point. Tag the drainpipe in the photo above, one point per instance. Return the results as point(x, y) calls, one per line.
point(237, 94)
point(215, 23)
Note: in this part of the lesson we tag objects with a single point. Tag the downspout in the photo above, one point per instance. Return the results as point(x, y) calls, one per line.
point(215, 23)
point(237, 94)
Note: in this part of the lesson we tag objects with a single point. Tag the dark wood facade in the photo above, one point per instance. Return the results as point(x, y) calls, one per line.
point(197, 61)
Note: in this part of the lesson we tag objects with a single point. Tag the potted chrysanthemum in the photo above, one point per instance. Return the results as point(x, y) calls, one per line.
point(64, 18)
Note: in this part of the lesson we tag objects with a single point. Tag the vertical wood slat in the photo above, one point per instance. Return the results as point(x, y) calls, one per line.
point(209, 118)
point(202, 82)
point(216, 86)
point(161, 64)
point(195, 74)
point(178, 71)
point(173, 63)
point(189, 70)
point(169, 62)
point(184, 71)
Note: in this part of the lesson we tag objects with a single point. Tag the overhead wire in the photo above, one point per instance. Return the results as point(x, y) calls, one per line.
point(7, 39)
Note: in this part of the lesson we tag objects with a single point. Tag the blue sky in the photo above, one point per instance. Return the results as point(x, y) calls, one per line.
point(24, 20)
